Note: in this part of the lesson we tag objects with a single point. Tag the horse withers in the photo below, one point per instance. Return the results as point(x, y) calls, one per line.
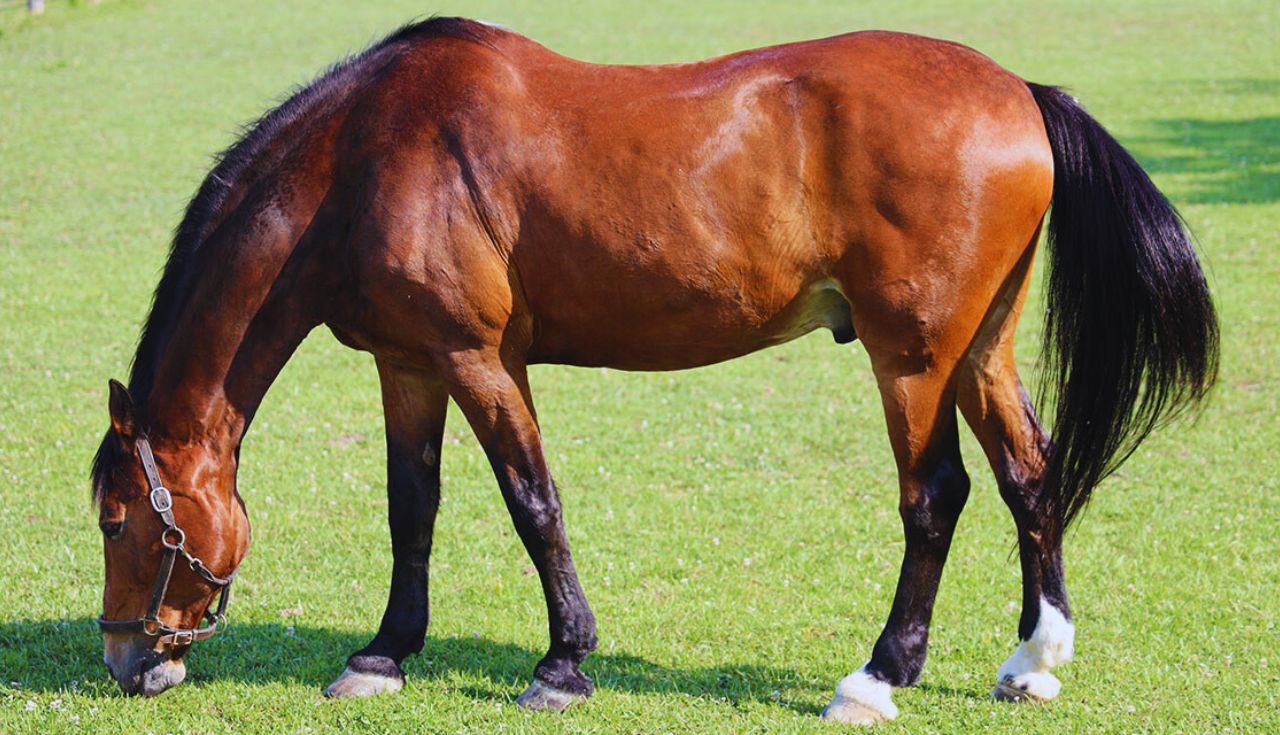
point(462, 202)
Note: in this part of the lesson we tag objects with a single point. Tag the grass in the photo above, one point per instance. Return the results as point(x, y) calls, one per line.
point(735, 526)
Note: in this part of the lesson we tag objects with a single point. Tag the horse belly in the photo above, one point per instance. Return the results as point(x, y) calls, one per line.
point(678, 274)
point(674, 329)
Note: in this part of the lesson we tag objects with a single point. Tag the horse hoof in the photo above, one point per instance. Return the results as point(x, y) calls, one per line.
point(540, 696)
point(861, 699)
point(1036, 686)
point(362, 684)
point(854, 713)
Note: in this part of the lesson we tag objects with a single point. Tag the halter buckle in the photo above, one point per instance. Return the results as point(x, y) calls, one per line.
point(161, 499)
point(183, 637)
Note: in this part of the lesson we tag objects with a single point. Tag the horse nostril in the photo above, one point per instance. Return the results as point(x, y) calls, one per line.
point(112, 529)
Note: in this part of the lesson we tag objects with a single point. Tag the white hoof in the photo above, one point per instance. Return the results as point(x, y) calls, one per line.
point(1035, 686)
point(540, 696)
point(362, 684)
point(861, 699)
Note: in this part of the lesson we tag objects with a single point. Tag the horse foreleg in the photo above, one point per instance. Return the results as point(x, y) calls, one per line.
point(414, 404)
point(920, 413)
point(1000, 413)
point(496, 401)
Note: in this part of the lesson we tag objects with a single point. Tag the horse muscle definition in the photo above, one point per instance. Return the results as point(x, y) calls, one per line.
point(461, 202)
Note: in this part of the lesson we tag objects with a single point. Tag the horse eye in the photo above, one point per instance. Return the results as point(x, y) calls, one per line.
point(112, 529)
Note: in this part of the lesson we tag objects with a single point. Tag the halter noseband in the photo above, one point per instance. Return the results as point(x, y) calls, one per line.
point(174, 542)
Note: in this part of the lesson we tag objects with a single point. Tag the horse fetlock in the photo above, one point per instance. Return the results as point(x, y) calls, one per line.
point(861, 699)
point(562, 674)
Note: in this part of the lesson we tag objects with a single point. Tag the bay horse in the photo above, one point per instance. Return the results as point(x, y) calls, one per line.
point(462, 202)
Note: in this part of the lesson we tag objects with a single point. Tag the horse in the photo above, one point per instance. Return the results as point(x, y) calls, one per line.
point(463, 202)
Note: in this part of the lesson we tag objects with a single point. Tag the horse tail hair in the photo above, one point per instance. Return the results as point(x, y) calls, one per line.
point(1131, 334)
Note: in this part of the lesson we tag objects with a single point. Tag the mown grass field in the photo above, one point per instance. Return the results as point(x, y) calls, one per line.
point(735, 527)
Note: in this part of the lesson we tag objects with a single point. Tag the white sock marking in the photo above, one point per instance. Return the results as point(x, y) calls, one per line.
point(861, 691)
point(1052, 643)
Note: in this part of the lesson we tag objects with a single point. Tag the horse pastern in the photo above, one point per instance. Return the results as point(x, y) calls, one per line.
point(1054, 636)
point(384, 666)
point(562, 675)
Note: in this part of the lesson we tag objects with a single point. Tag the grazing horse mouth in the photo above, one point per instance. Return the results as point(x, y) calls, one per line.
point(139, 669)
point(139, 653)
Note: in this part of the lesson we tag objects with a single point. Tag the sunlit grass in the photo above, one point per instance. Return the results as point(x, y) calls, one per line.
point(735, 527)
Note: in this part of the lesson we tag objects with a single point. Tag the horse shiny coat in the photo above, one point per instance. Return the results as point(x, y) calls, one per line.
point(462, 202)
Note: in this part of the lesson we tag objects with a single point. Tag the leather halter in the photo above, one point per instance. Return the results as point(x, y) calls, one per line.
point(174, 542)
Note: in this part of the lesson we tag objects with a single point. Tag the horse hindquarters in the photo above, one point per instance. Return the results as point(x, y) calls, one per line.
point(926, 278)
point(1130, 340)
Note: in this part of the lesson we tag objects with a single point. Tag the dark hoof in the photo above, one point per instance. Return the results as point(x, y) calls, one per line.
point(542, 696)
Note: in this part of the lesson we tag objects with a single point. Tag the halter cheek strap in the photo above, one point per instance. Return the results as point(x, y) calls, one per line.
point(173, 539)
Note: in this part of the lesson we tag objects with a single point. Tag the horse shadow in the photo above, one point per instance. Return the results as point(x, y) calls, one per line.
point(66, 655)
point(1218, 161)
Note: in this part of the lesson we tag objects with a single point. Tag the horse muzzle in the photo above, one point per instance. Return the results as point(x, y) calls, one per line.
point(139, 666)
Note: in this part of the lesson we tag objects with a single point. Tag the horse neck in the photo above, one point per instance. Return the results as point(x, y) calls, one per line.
point(250, 307)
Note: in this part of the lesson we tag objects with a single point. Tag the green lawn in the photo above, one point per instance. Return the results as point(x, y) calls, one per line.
point(735, 527)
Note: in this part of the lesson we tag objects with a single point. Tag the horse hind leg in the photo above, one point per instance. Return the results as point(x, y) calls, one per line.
point(999, 411)
point(921, 418)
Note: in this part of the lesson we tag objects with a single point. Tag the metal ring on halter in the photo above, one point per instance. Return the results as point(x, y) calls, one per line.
point(176, 546)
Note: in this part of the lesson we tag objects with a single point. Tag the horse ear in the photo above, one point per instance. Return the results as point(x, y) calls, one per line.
point(123, 414)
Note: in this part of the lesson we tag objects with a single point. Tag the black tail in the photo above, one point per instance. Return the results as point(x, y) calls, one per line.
point(1131, 336)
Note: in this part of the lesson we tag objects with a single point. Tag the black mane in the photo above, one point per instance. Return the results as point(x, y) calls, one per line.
point(208, 207)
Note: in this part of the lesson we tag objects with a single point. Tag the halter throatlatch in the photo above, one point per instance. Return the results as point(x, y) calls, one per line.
point(174, 541)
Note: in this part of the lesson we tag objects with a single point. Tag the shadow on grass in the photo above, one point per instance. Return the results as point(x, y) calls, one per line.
point(1219, 161)
point(57, 655)
point(946, 691)
point(1218, 87)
